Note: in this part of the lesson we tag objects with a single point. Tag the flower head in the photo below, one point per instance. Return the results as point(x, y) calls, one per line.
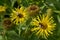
point(7, 24)
point(18, 15)
point(2, 8)
point(33, 9)
point(43, 25)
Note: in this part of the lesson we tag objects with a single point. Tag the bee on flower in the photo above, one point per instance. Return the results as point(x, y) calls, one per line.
point(43, 25)
point(18, 15)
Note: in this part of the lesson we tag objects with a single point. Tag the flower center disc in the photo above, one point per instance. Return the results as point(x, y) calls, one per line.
point(43, 26)
point(8, 22)
point(33, 8)
point(20, 15)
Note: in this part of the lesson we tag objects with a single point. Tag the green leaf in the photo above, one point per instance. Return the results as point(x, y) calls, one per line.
point(58, 18)
point(1, 38)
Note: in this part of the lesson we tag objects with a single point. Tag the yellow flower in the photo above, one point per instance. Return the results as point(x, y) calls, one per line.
point(2, 8)
point(43, 25)
point(18, 15)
